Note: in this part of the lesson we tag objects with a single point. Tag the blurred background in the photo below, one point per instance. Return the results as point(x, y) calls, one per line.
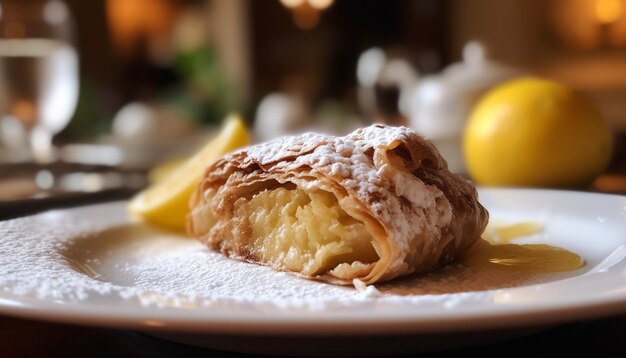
point(156, 77)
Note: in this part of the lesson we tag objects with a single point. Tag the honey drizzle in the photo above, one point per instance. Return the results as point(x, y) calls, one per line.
point(531, 258)
point(505, 234)
point(497, 251)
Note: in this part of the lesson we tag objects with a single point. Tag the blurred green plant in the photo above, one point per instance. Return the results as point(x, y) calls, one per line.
point(204, 93)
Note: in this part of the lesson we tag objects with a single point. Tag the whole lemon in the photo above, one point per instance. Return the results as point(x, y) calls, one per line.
point(535, 132)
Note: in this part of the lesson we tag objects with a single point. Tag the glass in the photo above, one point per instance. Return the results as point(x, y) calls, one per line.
point(38, 70)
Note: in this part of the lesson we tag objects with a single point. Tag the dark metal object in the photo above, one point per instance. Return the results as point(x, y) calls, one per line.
point(14, 209)
point(128, 182)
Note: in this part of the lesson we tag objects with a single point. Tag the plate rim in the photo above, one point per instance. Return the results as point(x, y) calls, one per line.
point(294, 325)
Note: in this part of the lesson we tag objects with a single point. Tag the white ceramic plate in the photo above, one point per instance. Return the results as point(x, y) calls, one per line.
point(92, 265)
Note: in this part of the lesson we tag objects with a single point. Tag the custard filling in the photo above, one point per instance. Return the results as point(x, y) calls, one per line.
point(306, 232)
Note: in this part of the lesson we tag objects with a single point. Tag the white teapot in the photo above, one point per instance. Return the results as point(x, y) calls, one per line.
point(438, 106)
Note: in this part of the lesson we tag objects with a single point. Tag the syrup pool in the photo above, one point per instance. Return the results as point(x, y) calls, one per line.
point(496, 250)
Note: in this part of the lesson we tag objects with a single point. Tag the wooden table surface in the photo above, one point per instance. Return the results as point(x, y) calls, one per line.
point(26, 338)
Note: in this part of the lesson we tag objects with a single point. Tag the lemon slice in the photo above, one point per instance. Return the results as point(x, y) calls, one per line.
point(166, 202)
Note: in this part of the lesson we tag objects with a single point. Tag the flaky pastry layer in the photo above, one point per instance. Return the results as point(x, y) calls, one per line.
point(376, 204)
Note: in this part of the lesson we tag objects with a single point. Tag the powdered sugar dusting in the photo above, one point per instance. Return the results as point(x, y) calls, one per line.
point(396, 177)
point(82, 254)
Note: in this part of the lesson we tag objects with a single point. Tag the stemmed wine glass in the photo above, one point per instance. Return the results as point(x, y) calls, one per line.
point(38, 70)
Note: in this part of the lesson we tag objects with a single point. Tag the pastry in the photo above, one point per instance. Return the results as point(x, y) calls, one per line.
point(376, 204)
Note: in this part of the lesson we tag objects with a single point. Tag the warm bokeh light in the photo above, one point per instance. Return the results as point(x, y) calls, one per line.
point(587, 25)
point(25, 110)
point(307, 13)
point(608, 11)
point(134, 21)
point(292, 3)
point(321, 4)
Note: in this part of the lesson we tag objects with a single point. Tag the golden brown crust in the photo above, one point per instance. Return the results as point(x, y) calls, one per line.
point(394, 181)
